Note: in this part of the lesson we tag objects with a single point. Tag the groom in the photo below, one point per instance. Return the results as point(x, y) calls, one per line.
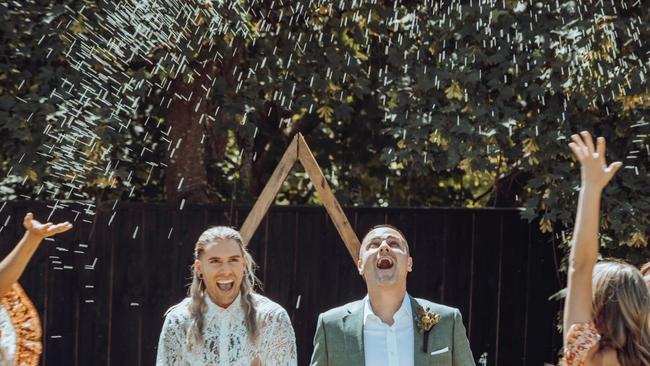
point(389, 327)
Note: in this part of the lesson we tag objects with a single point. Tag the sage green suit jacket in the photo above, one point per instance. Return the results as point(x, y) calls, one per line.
point(339, 337)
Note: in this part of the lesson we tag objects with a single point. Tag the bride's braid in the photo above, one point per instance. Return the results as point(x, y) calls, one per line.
point(247, 290)
point(197, 310)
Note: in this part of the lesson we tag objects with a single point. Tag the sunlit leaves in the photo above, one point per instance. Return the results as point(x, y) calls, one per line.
point(325, 112)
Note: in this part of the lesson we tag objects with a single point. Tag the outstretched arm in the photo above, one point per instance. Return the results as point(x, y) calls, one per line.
point(14, 264)
point(595, 174)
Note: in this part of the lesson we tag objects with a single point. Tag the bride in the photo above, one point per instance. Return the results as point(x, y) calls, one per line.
point(223, 321)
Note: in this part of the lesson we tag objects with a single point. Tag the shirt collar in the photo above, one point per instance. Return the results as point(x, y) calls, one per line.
point(214, 308)
point(404, 309)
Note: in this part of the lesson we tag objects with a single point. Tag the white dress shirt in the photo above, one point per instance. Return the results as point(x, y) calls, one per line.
point(389, 345)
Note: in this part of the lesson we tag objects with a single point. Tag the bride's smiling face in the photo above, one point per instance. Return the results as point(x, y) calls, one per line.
point(222, 267)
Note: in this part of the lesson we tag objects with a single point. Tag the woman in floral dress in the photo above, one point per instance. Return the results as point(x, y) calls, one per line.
point(607, 309)
point(20, 327)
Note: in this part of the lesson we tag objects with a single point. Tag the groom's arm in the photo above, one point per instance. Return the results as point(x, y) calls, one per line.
point(319, 357)
point(462, 355)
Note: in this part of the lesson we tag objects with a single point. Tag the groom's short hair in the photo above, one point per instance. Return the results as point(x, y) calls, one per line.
point(408, 250)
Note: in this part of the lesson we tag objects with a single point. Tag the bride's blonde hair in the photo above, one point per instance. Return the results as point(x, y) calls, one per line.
point(621, 305)
point(198, 305)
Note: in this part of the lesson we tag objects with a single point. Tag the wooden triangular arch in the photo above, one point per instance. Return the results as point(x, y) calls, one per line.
point(299, 151)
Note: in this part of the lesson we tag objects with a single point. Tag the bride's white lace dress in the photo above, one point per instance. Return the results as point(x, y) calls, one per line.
point(226, 340)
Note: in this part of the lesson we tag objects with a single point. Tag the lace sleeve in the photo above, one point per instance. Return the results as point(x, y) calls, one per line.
point(277, 341)
point(170, 344)
point(581, 337)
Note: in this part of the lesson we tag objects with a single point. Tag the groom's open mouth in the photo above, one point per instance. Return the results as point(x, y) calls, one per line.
point(225, 285)
point(385, 263)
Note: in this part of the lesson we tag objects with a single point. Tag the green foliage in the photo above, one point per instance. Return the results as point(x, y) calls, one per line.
point(404, 104)
point(27, 77)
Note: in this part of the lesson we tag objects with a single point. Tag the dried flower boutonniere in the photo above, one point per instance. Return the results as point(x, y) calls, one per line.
point(425, 321)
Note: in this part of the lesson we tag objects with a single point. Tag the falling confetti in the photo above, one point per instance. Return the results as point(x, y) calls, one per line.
point(423, 65)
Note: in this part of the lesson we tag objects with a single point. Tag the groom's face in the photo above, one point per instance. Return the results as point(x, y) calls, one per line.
point(384, 258)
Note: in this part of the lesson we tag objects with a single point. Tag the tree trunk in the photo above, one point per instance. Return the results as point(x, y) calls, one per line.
point(186, 174)
point(509, 189)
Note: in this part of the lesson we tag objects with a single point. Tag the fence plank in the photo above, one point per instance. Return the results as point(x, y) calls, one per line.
point(458, 255)
point(311, 228)
point(128, 288)
point(94, 282)
point(542, 341)
point(61, 292)
point(162, 291)
point(85, 315)
point(427, 248)
point(282, 243)
point(487, 240)
point(489, 261)
point(512, 312)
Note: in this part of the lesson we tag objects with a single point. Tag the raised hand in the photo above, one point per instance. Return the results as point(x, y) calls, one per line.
point(594, 171)
point(13, 265)
point(46, 230)
point(595, 174)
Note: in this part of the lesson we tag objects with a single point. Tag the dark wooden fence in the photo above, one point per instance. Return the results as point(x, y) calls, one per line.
point(102, 288)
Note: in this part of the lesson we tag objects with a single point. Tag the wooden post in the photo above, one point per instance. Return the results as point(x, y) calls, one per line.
point(270, 190)
point(329, 200)
point(298, 150)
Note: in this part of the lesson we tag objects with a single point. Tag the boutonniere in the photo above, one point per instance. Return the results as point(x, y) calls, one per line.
point(425, 320)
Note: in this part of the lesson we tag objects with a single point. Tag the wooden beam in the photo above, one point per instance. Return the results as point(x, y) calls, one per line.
point(269, 192)
point(330, 202)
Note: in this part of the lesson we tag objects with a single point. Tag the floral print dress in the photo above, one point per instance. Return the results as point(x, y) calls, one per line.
point(20, 329)
point(580, 339)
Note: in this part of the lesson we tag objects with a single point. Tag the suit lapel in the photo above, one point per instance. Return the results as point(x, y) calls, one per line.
point(419, 357)
point(353, 330)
